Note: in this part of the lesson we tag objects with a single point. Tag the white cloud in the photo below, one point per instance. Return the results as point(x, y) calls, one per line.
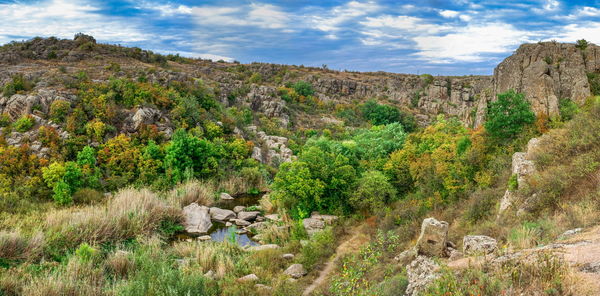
point(339, 15)
point(408, 24)
point(589, 31)
point(470, 43)
point(465, 18)
point(264, 16)
point(170, 10)
point(62, 18)
point(449, 13)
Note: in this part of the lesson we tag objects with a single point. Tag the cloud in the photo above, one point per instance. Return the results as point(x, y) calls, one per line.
point(470, 44)
point(334, 19)
point(449, 13)
point(259, 15)
point(589, 31)
point(408, 24)
point(63, 19)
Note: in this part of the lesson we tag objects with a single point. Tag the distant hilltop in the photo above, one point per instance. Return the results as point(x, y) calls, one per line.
point(546, 72)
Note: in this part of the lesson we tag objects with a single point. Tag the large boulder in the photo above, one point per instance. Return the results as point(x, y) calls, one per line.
point(296, 271)
point(420, 273)
point(433, 239)
point(312, 225)
point(479, 244)
point(248, 216)
point(196, 219)
point(221, 214)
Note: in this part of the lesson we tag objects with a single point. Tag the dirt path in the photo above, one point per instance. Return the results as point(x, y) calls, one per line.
point(581, 252)
point(358, 237)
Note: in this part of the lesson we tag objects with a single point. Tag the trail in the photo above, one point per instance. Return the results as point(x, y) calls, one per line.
point(581, 252)
point(358, 237)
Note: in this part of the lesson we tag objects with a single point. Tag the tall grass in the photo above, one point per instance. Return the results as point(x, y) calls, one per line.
point(15, 246)
point(129, 213)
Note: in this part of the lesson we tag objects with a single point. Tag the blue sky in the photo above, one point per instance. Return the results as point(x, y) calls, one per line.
point(428, 36)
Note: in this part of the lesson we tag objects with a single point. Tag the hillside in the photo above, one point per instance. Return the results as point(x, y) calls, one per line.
point(126, 172)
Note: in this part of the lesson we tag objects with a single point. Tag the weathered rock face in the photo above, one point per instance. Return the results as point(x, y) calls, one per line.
point(479, 244)
point(433, 239)
point(548, 71)
point(196, 219)
point(271, 150)
point(421, 272)
point(18, 104)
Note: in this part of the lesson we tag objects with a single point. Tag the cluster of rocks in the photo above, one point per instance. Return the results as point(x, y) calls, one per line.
point(197, 219)
point(317, 222)
point(272, 150)
point(142, 116)
point(433, 243)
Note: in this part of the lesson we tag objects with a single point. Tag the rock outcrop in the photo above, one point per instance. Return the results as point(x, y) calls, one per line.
point(433, 239)
point(296, 271)
point(479, 244)
point(420, 273)
point(522, 166)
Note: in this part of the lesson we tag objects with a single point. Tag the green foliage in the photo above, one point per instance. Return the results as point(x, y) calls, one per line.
point(568, 109)
point(582, 44)
point(59, 110)
point(62, 193)
point(379, 114)
point(18, 83)
point(187, 152)
point(64, 179)
point(4, 120)
point(319, 246)
point(594, 80)
point(508, 115)
point(373, 192)
point(85, 252)
point(513, 182)
point(303, 88)
point(24, 123)
point(297, 189)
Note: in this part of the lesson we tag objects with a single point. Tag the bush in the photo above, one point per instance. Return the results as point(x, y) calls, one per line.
point(513, 182)
point(59, 110)
point(18, 83)
point(373, 192)
point(318, 247)
point(85, 252)
point(379, 114)
point(303, 88)
point(4, 120)
point(24, 123)
point(594, 80)
point(508, 115)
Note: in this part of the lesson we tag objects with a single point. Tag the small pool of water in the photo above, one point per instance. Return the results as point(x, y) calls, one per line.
point(219, 232)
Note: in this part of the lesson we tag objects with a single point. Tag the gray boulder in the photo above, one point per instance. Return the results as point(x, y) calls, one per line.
point(248, 278)
point(225, 196)
point(433, 238)
point(248, 216)
point(238, 209)
point(479, 244)
point(240, 222)
point(313, 225)
point(196, 219)
point(296, 271)
point(221, 214)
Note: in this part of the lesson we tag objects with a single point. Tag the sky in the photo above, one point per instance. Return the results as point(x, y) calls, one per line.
point(439, 37)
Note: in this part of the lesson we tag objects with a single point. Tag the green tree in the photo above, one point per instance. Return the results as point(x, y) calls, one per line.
point(86, 159)
point(372, 193)
point(189, 153)
point(296, 189)
point(379, 114)
point(507, 116)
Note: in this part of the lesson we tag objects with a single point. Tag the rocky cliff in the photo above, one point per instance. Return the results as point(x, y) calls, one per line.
point(545, 72)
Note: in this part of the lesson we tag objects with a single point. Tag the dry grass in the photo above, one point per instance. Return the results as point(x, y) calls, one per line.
point(128, 214)
point(221, 258)
point(76, 278)
point(119, 264)
point(14, 246)
point(200, 192)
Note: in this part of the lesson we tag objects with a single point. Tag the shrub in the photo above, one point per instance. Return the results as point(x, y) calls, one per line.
point(513, 182)
point(24, 123)
point(582, 44)
point(4, 120)
point(318, 247)
point(594, 80)
point(373, 192)
point(59, 110)
point(303, 88)
point(379, 114)
point(18, 83)
point(508, 115)
point(85, 252)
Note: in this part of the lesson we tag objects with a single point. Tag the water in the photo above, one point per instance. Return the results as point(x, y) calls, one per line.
point(219, 232)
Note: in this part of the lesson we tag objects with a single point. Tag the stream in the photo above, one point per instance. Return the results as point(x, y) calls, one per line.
point(219, 232)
